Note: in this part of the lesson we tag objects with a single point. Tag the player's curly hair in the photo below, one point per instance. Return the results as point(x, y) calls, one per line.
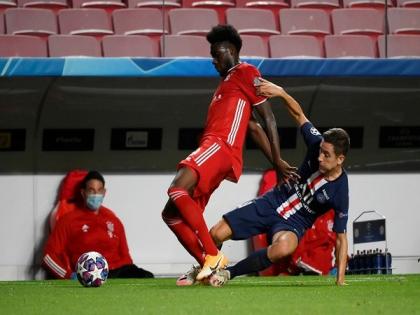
point(225, 33)
point(339, 138)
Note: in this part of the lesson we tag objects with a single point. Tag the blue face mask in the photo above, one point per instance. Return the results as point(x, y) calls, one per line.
point(94, 201)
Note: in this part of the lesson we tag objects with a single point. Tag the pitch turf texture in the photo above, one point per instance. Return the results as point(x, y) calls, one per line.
point(367, 294)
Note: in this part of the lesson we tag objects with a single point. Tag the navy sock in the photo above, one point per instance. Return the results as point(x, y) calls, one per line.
point(257, 261)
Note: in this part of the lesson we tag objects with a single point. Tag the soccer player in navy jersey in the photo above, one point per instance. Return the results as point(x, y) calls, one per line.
point(286, 211)
point(219, 155)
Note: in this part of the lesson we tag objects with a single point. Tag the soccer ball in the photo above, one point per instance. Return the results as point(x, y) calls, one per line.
point(92, 269)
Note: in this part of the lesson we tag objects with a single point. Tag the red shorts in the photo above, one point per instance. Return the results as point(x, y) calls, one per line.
point(212, 163)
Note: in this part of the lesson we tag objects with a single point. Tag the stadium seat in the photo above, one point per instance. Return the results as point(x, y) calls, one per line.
point(400, 46)
point(190, 21)
point(1, 23)
point(185, 46)
point(305, 22)
point(274, 5)
point(358, 21)
point(22, 46)
point(409, 3)
point(101, 4)
point(350, 46)
point(154, 3)
point(145, 21)
point(252, 21)
point(295, 46)
point(316, 4)
point(5, 4)
point(253, 46)
point(43, 4)
point(379, 4)
point(73, 45)
point(129, 46)
point(84, 22)
point(404, 20)
point(30, 21)
point(219, 6)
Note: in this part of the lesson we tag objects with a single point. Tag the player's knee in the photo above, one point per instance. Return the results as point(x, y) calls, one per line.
point(279, 250)
point(220, 232)
point(170, 213)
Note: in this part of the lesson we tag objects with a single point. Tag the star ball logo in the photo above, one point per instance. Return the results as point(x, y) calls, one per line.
point(315, 131)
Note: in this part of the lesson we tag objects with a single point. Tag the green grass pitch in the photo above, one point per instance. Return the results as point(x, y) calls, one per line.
point(364, 294)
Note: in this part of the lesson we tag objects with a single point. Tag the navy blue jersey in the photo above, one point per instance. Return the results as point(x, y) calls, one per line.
point(302, 202)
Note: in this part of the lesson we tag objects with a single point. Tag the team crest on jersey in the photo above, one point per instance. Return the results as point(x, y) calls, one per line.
point(110, 227)
point(321, 198)
point(315, 131)
point(85, 228)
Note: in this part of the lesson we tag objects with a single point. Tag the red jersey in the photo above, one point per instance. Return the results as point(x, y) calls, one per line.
point(230, 111)
point(81, 231)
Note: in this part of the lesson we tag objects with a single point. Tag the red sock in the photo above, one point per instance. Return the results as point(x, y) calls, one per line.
point(193, 216)
point(187, 238)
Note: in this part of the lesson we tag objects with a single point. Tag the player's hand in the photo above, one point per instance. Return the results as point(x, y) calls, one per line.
point(267, 88)
point(340, 282)
point(286, 173)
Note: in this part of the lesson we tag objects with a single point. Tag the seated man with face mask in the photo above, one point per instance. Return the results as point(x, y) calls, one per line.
point(90, 227)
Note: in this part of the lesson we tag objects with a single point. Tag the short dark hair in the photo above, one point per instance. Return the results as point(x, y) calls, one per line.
point(225, 33)
point(339, 138)
point(93, 175)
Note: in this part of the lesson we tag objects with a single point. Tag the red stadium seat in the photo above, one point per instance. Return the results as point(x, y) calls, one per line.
point(154, 3)
point(22, 46)
point(358, 21)
point(6, 4)
point(253, 46)
point(295, 46)
point(316, 4)
point(305, 22)
point(404, 20)
point(192, 21)
point(184, 46)
point(29, 21)
point(44, 4)
point(101, 4)
point(253, 22)
point(274, 5)
point(350, 46)
point(219, 6)
point(409, 3)
point(145, 21)
point(400, 46)
point(379, 4)
point(1, 23)
point(84, 22)
point(74, 45)
point(129, 46)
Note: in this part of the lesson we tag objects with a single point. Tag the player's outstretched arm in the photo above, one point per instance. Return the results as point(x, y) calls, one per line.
point(269, 89)
point(283, 169)
point(259, 136)
point(341, 252)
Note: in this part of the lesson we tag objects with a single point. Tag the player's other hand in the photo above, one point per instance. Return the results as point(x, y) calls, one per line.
point(267, 88)
point(286, 173)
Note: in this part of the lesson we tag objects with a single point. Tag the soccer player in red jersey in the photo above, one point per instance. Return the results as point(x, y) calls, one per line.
point(90, 227)
point(219, 155)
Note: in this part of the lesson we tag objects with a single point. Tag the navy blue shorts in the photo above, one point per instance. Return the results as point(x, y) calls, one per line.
point(258, 216)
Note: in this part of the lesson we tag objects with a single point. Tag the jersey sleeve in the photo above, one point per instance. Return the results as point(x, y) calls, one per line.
point(246, 81)
point(341, 208)
point(55, 258)
point(311, 135)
